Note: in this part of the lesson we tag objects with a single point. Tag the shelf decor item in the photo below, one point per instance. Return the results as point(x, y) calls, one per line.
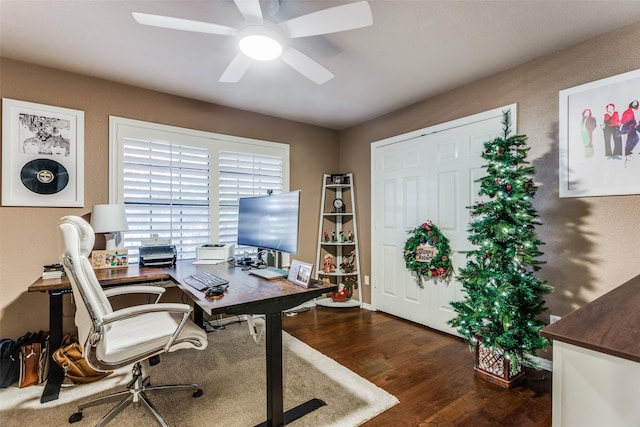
point(328, 266)
point(427, 254)
point(349, 265)
point(499, 314)
point(341, 295)
point(339, 179)
point(350, 283)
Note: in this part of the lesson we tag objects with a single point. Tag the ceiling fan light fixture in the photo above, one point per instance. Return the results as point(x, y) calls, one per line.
point(264, 40)
point(260, 43)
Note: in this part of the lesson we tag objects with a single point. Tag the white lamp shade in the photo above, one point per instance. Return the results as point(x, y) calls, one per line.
point(110, 219)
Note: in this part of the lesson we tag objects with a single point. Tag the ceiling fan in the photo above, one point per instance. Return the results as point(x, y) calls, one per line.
point(271, 37)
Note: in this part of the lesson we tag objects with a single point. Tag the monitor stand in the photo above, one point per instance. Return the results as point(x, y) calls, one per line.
point(271, 257)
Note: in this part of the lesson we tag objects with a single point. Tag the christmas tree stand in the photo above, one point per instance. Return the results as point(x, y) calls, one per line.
point(492, 366)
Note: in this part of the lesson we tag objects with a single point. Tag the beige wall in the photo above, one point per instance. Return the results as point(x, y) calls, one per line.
point(592, 244)
point(28, 236)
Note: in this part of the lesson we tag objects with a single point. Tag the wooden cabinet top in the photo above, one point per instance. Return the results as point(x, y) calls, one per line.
point(609, 324)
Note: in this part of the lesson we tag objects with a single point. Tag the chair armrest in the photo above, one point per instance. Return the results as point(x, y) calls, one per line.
point(134, 289)
point(137, 310)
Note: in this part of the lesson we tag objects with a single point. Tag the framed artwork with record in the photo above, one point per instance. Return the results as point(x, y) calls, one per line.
point(42, 155)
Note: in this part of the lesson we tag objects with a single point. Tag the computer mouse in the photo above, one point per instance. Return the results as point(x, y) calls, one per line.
point(215, 292)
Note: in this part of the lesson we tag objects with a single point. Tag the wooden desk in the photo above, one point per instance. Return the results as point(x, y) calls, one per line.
point(247, 294)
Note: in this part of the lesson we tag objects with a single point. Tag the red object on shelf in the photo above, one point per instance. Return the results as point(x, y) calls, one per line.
point(341, 296)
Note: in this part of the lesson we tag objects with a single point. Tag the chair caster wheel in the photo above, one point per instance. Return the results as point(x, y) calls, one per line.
point(75, 417)
point(197, 393)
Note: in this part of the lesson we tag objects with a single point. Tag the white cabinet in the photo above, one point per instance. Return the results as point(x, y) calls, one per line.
point(338, 258)
point(596, 361)
point(593, 389)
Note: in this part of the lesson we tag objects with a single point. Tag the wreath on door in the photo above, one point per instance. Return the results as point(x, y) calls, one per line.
point(427, 254)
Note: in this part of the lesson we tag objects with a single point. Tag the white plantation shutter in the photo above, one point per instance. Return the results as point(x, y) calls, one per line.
point(166, 193)
point(244, 175)
point(184, 185)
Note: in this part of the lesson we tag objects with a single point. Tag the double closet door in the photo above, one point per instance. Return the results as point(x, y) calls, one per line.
point(428, 175)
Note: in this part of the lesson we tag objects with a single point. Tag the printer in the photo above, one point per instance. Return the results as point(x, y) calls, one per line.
point(215, 252)
point(158, 255)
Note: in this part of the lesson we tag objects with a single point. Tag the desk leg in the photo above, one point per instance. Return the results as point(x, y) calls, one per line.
point(273, 342)
point(198, 316)
point(275, 390)
point(56, 374)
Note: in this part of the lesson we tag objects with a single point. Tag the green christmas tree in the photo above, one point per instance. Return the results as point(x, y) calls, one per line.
point(503, 296)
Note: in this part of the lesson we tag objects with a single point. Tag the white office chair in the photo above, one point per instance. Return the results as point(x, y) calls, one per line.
point(112, 339)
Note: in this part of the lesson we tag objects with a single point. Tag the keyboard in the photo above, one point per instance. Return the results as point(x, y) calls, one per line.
point(204, 280)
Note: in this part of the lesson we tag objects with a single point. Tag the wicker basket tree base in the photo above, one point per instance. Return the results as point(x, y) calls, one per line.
point(491, 365)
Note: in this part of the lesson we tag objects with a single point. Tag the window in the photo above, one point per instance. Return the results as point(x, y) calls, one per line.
point(166, 194)
point(243, 175)
point(182, 186)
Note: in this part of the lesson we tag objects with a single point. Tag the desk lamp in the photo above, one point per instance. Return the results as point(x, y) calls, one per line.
point(111, 220)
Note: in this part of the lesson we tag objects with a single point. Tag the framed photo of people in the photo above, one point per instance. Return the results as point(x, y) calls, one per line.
point(599, 134)
point(42, 155)
point(116, 258)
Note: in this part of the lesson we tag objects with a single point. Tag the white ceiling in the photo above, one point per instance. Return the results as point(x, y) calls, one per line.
point(414, 50)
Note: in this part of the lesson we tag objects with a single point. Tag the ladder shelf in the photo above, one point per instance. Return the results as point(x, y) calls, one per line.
point(337, 238)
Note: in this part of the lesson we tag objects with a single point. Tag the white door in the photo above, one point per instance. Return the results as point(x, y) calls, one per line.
point(427, 175)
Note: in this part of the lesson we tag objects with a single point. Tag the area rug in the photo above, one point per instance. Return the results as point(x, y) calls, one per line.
point(231, 374)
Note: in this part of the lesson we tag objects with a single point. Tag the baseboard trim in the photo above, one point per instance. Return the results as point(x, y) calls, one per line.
point(545, 364)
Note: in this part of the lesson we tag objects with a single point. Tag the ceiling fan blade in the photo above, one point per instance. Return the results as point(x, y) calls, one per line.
point(234, 72)
point(306, 66)
point(182, 24)
point(250, 9)
point(340, 18)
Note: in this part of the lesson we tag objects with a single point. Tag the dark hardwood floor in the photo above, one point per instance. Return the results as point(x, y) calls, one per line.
point(431, 373)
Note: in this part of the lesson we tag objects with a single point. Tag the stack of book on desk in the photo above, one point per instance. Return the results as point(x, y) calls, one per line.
point(53, 271)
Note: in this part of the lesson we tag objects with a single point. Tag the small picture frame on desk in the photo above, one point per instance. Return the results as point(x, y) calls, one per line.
point(300, 273)
point(117, 258)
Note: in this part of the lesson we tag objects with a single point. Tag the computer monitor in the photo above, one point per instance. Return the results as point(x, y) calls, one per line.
point(270, 222)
